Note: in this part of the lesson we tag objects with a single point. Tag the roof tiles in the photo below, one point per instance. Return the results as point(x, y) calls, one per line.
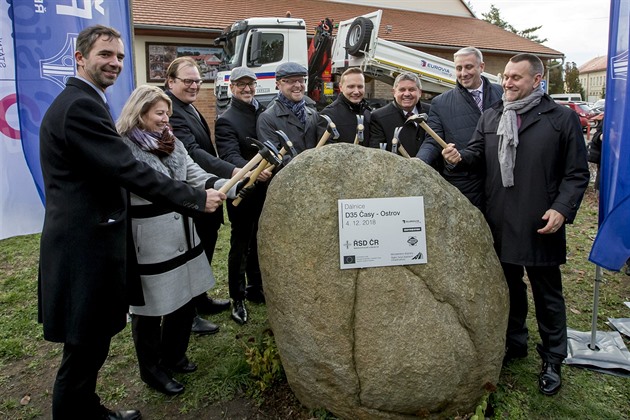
point(410, 28)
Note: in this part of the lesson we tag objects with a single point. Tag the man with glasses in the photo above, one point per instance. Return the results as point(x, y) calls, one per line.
point(288, 111)
point(183, 81)
point(231, 131)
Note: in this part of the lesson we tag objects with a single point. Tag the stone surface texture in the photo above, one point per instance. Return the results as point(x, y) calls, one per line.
point(388, 342)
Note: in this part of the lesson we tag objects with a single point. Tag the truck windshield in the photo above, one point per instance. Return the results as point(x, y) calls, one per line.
point(233, 48)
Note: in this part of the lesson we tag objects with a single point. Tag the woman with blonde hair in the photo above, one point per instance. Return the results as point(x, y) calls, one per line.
point(171, 263)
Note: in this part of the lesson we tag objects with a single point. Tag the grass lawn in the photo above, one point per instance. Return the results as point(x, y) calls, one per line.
point(224, 386)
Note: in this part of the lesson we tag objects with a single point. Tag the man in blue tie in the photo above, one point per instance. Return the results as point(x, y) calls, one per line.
point(454, 115)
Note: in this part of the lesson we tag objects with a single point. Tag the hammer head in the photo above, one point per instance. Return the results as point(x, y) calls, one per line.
point(274, 153)
point(332, 127)
point(267, 150)
point(286, 143)
point(419, 118)
point(360, 128)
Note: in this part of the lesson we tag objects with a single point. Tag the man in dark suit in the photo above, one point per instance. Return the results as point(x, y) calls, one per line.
point(454, 115)
point(87, 261)
point(183, 81)
point(407, 91)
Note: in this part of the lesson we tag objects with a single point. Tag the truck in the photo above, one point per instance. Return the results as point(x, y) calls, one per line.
point(263, 43)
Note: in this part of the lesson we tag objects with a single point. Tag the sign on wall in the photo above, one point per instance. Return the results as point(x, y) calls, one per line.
point(160, 56)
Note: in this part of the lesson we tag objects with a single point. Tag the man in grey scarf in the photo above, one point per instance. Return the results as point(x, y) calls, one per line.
point(534, 156)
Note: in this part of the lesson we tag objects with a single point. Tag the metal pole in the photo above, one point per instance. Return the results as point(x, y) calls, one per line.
point(598, 278)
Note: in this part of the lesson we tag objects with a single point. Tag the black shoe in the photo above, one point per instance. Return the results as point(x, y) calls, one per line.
point(161, 380)
point(183, 366)
point(549, 380)
point(212, 306)
point(203, 327)
point(239, 312)
point(255, 295)
point(512, 353)
point(120, 415)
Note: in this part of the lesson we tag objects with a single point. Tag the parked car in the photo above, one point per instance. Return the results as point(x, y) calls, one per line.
point(598, 106)
point(583, 110)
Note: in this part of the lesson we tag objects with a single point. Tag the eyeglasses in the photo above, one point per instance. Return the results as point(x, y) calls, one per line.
point(189, 82)
point(241, 85)
point(294, 81)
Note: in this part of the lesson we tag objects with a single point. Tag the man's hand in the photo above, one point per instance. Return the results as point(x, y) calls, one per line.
point(214, 199)
point(451, 155)
point(264, 176)
point(554, 219)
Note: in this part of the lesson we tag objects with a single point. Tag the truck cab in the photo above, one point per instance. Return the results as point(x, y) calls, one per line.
point(261, 44)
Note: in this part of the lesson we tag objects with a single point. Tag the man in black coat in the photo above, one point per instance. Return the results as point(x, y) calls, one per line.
point(454, 115)
point(183, 81)
point(290, 112)
point(87, 279)
point(231, 131)
point(534, 157)
point(349, 104)
point(407, 91)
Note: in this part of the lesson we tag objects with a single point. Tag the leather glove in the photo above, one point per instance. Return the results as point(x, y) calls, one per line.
point(243, 191)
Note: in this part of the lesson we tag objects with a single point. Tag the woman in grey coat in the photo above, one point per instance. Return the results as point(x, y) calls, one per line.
point(171, 263)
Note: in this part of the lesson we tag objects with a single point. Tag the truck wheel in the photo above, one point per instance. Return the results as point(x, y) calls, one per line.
point(358, 39)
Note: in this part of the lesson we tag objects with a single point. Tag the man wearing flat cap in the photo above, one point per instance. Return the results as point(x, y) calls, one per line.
point(231, 131)
point(288, 111)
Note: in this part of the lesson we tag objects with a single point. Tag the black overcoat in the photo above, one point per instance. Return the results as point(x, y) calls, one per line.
point(551, 172)
point(87, 260)
point(192, 129)
point(344, 114)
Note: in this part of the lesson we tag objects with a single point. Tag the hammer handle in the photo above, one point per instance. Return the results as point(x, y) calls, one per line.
point(240, 174)
point(323, 140)
point(433, 134)
point(403, 151)
point(263, 165)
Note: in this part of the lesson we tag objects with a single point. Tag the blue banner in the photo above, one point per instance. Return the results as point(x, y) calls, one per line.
point(45, 33)
point(611, 248)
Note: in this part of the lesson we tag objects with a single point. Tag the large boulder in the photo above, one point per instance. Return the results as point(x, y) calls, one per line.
point(384, 342)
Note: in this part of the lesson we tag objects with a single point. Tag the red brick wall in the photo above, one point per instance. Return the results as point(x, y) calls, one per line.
point(205, 103)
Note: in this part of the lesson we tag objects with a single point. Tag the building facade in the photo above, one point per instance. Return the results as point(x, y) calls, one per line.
point(593, 78)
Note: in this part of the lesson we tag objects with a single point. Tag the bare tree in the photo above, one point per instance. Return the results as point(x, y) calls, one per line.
point(494, 16)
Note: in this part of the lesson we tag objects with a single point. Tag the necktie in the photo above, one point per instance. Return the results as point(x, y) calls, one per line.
point(194, 111)
point(477, 97)
point(408, 114)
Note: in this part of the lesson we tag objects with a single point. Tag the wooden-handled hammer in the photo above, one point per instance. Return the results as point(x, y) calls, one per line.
point(422, 120)
point(330, 129)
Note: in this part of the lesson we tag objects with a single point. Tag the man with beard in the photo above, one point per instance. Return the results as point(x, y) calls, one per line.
point(183, 82)
point(288, 111)
point(349, 104)
point(454, 115)
point(232, 130)
point(407, 91)
point(534, 157)
point(88, 271)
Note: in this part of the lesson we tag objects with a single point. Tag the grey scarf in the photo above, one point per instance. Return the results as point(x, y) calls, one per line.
point(508, 132)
